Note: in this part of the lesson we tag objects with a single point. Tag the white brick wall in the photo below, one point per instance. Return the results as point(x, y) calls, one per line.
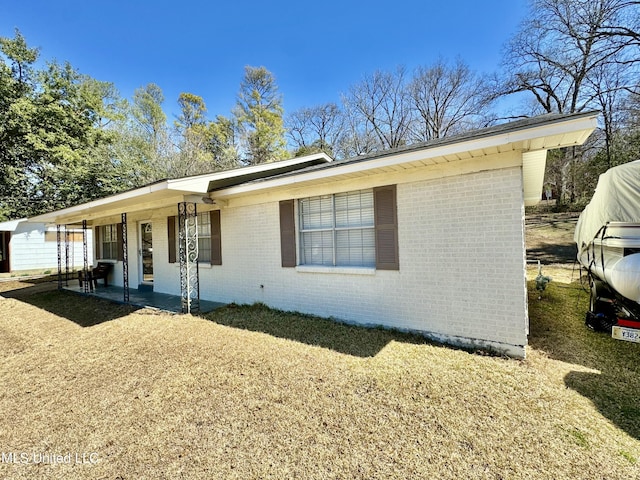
point(461, 264)
point(461, 276)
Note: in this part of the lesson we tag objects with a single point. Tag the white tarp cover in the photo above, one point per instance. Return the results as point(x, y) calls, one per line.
point(616, 199)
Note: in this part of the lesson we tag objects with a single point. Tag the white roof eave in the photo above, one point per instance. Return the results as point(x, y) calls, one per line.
point(167, 189)
point(11, 225)
point(577, 129)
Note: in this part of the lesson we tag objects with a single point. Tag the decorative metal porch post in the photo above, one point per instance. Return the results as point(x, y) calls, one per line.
point(125, 259)
point(188, 251)
point(85, 272)
point(66, 255)
point(59, 241)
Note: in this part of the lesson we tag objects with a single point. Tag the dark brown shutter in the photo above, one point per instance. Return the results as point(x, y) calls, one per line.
point(287, 233)
point(171, 238)
point(386, 222)
point(216, 238)
point(97, 242)
point(120, 245)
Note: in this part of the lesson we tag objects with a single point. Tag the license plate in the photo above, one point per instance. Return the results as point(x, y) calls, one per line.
point(624, 333)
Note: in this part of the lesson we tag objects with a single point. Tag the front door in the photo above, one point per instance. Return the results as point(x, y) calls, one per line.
point(146, 252)
point(4, 251)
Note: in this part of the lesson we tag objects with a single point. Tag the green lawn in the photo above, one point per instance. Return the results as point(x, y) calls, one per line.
point(248, 392)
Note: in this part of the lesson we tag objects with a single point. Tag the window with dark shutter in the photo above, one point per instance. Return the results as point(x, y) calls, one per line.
point(109, 242)
point(338, 230)
point(171, 238)
point(287, 233)
point(386, 227)
point(216, 238)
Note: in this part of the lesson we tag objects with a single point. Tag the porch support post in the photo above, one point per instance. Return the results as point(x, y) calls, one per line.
point(87, 282)
point(66, 255)
point(125, 259)
point(188, 252)
point(59, 242)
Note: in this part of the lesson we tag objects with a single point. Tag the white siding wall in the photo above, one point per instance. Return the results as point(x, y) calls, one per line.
point(462, 268)
point(28, 249)
point(166, 276)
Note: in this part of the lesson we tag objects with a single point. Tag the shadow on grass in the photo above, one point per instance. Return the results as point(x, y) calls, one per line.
point(352, 340)
point(614, 400)
point(81, 310)
point(558, 329)
point(565, 253)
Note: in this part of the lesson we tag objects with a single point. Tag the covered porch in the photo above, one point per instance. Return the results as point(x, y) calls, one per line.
point(141, 298)
point(149, 236)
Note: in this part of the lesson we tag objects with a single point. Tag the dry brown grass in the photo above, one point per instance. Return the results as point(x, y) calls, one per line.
point(253, 393)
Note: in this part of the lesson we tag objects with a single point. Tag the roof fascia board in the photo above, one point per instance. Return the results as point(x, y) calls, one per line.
point(585, 124)
point(189, 185)
point(200, 183)
point(118, 197)
point(109, 211)
point(571, 125)
point(11, 225)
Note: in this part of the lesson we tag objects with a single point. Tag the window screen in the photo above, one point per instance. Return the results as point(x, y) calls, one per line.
point(338, 230)
point(204, 237)
point(109, 241)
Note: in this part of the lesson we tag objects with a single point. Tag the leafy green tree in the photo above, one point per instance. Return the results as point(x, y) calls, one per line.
point(16, 108)
point(75, 117)
point(56, 134)
point(259, 114)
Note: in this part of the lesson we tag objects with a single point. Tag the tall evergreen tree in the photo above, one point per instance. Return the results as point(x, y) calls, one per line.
point(259, 114)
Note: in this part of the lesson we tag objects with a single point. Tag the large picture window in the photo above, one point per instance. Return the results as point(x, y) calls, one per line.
point(338, 230)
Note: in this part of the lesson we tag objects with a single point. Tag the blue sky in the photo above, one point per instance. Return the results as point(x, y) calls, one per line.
point(316, 50)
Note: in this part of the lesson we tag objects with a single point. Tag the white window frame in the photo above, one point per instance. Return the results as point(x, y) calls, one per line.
point(204, 220)
point(112, 242)
point(335, 230)
point(199, 223)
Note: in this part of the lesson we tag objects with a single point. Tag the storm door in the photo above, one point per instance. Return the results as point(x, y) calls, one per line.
point(146, 252)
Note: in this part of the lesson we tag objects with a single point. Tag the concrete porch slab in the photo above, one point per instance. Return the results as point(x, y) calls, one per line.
point(144, 299)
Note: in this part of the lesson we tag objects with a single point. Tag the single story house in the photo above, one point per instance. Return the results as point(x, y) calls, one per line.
point(427, 238)
point(27, 246)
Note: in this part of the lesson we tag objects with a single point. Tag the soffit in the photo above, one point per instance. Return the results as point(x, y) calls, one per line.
point(540, 136)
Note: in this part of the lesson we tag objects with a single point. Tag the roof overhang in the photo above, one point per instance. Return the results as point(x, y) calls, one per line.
point(533, 138)
point(11, 225)
point(171, 192)
point(530, 138)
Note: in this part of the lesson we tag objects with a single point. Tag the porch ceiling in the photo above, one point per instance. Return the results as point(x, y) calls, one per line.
point(129, 202)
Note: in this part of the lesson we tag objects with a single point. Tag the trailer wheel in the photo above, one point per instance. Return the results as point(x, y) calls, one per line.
point(602, 314)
